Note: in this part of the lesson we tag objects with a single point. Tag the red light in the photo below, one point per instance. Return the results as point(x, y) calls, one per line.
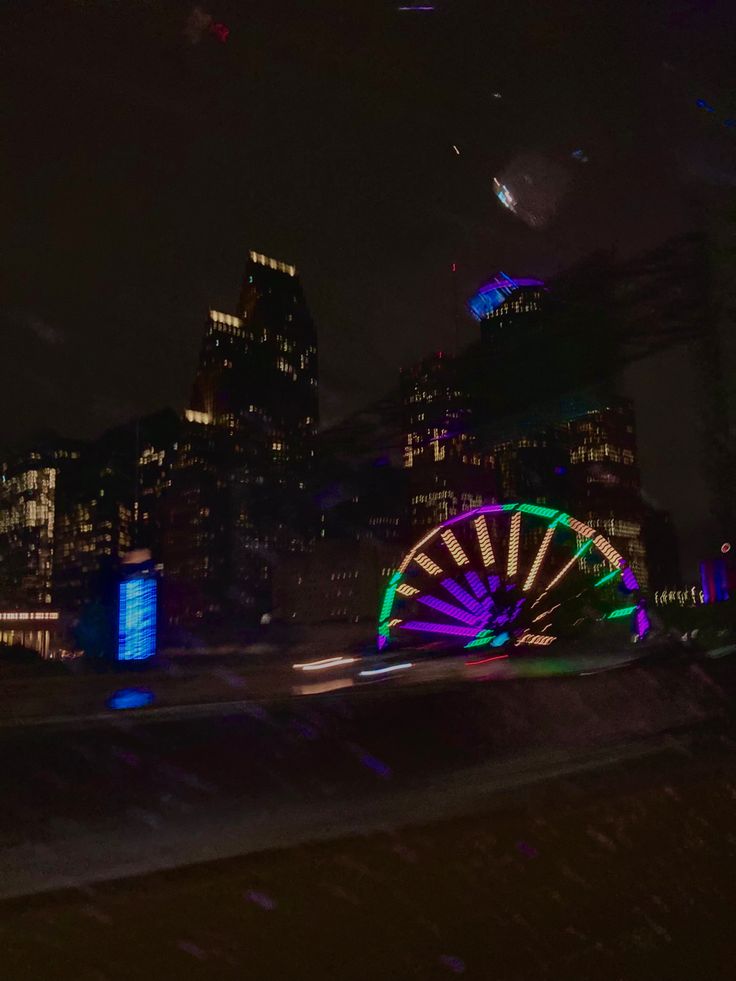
point(485, 660)
point(221, 31)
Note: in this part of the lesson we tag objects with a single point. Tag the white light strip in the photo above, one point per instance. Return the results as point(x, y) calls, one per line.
point(328, 662)
point(7, 617)
point(454, 547)
point(392, 667)
point(427, 564)
point(484, 541)
point(513, 557)
point(406, 590)
point(539, 559)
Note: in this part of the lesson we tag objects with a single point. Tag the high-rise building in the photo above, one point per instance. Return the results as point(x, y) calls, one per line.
point(109, 502)
point(448, 472)
point(28, 520)
point(604, 481)
point(242, 475)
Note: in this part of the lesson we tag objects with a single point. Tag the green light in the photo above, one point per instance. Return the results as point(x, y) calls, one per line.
point(607, 578)
point(562, 519)
point(623, 612)
point(583, 548)
point(388, 598)
point(538, 509)
point(484, 637)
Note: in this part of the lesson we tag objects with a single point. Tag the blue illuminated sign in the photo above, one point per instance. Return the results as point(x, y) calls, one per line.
point(137, 619)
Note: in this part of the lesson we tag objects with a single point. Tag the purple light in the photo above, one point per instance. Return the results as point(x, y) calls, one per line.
point(462, 596)
point(628, 578)
point(642, 622)
point(495, 293)
point(448, 609)
point(447, 630)
point(475, 583)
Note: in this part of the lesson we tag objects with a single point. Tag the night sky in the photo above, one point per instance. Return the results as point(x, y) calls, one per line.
point(143, 158)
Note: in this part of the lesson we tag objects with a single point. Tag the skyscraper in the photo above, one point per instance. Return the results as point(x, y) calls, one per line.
point(251, 434)
point(448, 473)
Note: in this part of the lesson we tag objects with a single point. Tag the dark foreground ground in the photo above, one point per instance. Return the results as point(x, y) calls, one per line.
point(624, 873)
point(521, 829)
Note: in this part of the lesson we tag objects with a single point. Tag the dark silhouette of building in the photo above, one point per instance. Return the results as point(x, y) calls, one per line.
point(241, 479)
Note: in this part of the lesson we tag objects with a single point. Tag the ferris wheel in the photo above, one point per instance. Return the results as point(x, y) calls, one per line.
point(509, 576)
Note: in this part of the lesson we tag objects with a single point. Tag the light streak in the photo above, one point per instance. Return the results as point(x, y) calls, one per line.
point(539, 558)
point(546, 612)
point(454, 547)
point(391, 667)
point(485, 660)
point(607, 578)
point(427, 564)
point(327, 662)
point(538, 640)
point(513, 557)
point(484, 541)
point(580, 552)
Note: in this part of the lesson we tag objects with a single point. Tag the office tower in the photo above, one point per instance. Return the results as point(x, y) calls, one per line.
point(604, 479)
point(254, 408)
point(448, 472)
point(28, 516)
point(108, 502)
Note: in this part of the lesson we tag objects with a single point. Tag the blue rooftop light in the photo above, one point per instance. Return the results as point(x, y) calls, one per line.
point(495, 293)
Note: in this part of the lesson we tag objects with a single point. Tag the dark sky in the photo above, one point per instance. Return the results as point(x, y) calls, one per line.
point(139, 167)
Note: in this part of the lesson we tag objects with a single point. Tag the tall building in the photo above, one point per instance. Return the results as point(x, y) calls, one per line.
point(505, 302)
point(448, 472)
point(605, 484)
point(254, 410)
point(28, 520)
point(109, 502)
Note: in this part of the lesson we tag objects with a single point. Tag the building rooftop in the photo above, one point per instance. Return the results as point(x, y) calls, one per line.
point(495, 293)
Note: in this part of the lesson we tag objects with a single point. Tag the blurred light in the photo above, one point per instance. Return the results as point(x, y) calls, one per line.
point(328, 662)
point(387, 670)
point(485, 660)
point(130, 698)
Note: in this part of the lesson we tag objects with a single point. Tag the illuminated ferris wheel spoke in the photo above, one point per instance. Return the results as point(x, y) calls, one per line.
point(462, 596)
point(476, 584)
point(514, 535)
point(539, 558)
point(448, 609)
point(406, 590)
point(494, 598)
point(427, 564)
point(454, 548)
point(563, 572)
point(484, 541)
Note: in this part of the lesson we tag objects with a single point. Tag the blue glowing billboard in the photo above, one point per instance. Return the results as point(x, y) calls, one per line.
point(137, 618)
